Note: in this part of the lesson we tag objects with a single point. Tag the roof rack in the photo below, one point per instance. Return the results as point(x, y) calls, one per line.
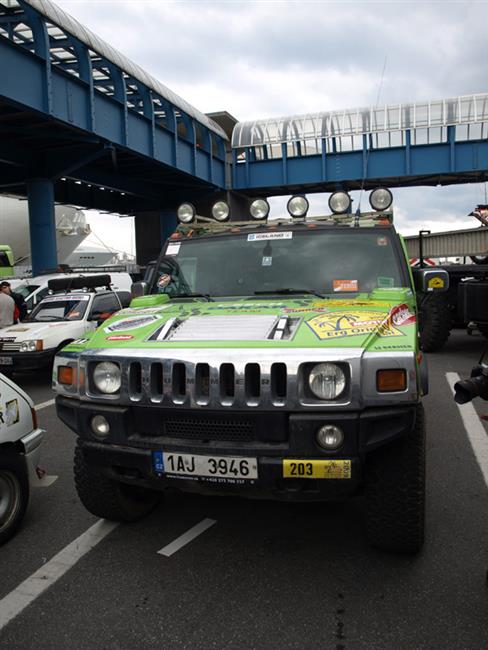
point(205, 226)
point(79, 282)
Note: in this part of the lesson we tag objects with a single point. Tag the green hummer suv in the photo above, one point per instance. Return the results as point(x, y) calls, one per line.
point(266, 359)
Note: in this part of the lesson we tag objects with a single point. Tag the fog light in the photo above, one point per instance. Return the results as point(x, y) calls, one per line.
point(100, 426)
point(330, 437)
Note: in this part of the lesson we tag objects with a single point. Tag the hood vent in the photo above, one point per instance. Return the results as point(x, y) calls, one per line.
point(239, 327)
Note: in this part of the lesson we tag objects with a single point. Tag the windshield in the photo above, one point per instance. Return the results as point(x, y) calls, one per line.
point(319, 261)
point(55, 308)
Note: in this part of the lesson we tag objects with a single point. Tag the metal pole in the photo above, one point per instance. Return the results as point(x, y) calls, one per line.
point(42, 225)
point(421, 247)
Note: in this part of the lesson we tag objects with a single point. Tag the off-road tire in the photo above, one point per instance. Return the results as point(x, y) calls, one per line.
point(435, 322)
point(395, 492)
point(14, 494)
point(107, 498)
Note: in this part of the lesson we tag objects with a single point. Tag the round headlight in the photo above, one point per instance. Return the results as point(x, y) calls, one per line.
point(327, 381)
point(186, 213)
point(107, 377)
point(220, 211)
point(297, 206)
point(24, 346)
point(330, 437)
point(340, 202)
point(259, 209)
point(100, 426)
point(32, 346)
point(380, 199)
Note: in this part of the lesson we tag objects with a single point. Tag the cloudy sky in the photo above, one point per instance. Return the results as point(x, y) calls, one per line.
point(266, 58)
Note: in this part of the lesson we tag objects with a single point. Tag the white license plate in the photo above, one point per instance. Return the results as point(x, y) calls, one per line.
point(6, 361)
point(211, 466)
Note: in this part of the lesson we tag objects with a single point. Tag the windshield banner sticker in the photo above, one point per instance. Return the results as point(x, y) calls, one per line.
point(259, 236)
point(353, 323)
point(131, 323)
point(173, 249)
point(345, 285)
point(61, 297)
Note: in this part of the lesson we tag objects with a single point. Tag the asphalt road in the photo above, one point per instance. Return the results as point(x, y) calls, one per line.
point(265, 575)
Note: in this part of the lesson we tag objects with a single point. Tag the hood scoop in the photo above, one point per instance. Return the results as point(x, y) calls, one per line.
point(239, 327)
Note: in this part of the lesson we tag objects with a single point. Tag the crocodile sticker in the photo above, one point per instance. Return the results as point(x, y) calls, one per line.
point(436, 283)
point(353, 323)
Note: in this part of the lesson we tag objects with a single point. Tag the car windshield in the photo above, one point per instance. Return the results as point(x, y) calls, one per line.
point(57, 308)
point(317, 261)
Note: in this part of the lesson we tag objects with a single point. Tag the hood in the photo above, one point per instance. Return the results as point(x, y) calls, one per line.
point(28, 331)
point(382, 320)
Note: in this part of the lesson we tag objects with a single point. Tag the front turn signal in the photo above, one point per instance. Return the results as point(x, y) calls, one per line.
point(391, 381)
point(66, 375)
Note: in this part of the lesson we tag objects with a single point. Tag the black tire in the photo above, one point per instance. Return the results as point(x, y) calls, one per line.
point(14, 495)
point(435, 322)
point(110, 499)
point(395, 492)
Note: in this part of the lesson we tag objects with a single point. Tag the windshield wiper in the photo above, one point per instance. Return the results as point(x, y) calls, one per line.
point(289, 292)
point(193, 295)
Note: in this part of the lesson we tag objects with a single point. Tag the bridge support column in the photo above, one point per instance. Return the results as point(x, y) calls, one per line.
point(152, 230)
point(42, 225)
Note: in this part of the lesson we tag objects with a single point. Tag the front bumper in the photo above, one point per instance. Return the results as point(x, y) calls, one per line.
point(26, 360)
point(136, 432)
point(32, 452)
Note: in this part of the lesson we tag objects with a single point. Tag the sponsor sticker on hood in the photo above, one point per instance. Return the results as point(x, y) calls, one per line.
point(352, 323)
point(119, 337)
point(131, 323)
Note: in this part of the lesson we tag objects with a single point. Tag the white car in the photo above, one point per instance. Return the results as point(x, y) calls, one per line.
point(56, 321)
point(20, 447)
point(33, 290)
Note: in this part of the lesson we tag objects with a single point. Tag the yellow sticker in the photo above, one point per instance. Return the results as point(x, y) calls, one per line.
point(436, 283)
point(352, 323)
point(321, 469)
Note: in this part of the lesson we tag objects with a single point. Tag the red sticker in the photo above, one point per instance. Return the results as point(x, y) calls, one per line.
point(401, 315)
point(345, 285)
point(119, 337)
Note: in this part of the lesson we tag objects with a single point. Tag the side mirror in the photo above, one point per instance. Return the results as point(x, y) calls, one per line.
point(431, 280)
point(139, 289)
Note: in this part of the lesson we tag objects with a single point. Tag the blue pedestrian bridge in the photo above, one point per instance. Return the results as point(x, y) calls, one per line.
point(82, 124)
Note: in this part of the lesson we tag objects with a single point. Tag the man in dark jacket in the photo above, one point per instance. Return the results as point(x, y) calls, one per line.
point(17, 298)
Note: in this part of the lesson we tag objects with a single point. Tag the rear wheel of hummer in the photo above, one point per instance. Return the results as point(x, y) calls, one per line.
point(110, 499)
point(395, 492)
point(435, 321)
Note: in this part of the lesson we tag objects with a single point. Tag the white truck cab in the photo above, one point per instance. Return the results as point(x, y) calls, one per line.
point(20, 447)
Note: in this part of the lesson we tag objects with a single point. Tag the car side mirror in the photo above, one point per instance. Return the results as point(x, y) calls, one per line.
point(431, 280)
point(139, 289)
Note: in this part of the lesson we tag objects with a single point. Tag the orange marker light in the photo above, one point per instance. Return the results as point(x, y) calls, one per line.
point(389, 381)
point(66, 375)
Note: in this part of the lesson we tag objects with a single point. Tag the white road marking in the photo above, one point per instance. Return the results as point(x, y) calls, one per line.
point(474, 428)
point(44, 405)
point(187, 537)
point(18, 599)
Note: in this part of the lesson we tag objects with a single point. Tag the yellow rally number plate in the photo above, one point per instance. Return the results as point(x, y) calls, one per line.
point(316, 468)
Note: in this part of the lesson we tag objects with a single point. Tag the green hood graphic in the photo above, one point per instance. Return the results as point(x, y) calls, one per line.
point(382, 320)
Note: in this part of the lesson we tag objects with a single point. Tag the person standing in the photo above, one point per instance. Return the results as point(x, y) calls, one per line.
point(7, 307)
point(21, 307)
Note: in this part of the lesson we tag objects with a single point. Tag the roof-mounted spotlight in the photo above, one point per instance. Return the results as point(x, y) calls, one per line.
point(186, 213)
point(221, 211)
point(297, 206)
point(259, 209)
point(340, 202)
point(380, 199)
